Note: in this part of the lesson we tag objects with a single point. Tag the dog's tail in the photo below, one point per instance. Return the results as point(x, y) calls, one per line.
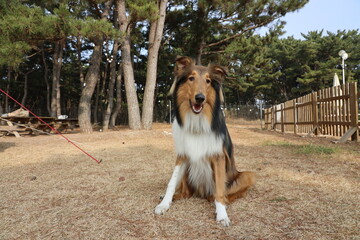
point(241, 184)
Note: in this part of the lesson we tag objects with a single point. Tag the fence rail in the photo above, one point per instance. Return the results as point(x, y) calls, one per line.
point(332, 111)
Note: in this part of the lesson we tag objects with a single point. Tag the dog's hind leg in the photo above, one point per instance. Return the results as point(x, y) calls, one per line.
point(239, 186)
point(173, 183)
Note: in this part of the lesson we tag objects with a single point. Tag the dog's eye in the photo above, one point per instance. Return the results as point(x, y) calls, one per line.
point(208, 81)
point(191, 78)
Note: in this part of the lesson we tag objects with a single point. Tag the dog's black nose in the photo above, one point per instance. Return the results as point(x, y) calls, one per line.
point(199, 98)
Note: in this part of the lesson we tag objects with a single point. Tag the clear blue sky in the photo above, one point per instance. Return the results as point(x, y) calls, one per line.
point(330, 15)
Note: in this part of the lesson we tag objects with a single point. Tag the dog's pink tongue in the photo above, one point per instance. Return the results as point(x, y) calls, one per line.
point(197, 107)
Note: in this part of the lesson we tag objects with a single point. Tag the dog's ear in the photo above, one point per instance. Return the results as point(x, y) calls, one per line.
point(218, 73)
point(181, 63)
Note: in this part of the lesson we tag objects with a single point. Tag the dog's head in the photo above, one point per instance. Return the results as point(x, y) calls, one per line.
point(196, 88)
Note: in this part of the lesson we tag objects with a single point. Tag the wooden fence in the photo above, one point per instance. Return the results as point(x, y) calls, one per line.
point(332, 111)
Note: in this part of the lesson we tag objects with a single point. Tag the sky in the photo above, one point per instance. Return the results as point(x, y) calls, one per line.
point(330, 15)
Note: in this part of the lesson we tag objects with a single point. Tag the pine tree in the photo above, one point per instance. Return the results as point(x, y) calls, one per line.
point(155, 37)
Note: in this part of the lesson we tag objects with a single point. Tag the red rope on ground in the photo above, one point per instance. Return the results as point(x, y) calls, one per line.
point(54, 129)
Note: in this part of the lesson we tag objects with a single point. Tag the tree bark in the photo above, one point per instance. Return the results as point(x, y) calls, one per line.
point(46, 80)
point(55, 93)
point(91, 79)
point(100, 91)
point(117, 107)
point(23, 100)
point(58, 104)
point(110, 95)
point(156, 32)
point(200, 51)
point(128, 70)
point(96, 105)
point(81, 71)
point(26, 77)
point(7, 90)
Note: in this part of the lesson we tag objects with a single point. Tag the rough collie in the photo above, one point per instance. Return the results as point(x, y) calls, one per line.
point(205, 165)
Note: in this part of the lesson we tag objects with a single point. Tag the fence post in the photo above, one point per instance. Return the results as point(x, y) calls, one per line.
point(261, 115)
point(282, 117)
point(295, 116)
point(273, 123)
point(315, 112)
point(170, 112)
point(354, 111)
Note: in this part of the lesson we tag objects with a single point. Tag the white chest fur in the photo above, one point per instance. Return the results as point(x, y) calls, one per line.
point(195, 138)
point(196, 141)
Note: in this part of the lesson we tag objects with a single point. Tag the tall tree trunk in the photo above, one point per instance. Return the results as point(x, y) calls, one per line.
point(81, 71)
point(26, 77)
point(156, 31)
point(95, 111)
point(46, 79)
point(128, 70)
point(55, 93)
point(117, 107)
point(200, 51)
point(23, 100)
point(201, 17)
point(58, 104)
point(110, 97)
point(91, 78)
point(1, 102)
point(7, 90)
point(100, 93)
point(54, 79)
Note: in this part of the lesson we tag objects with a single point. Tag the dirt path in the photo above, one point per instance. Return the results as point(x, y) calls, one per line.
point(50, 190)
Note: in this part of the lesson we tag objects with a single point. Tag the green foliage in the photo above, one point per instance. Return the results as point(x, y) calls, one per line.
point(223, 32)
point(278, 143)
point(279, 199)
point(93, 29)
point(12, 53)
point(143, 10)
point(26, 26)
point(312, 149)
point(303, 66)
point(19, 25)
point(308, 149)
point(260, 67)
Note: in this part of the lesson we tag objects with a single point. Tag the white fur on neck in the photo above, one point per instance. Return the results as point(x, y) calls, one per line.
point(195, 138)
point(196, 123)
point(196, 141)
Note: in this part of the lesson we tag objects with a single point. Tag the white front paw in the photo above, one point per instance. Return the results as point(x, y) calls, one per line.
point(225, 221)
point(161, 208)
point(221, 214)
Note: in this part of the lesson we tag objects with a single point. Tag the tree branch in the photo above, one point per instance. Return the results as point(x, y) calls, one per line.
point(239, 34)
point(212, 52)
point(27, 57)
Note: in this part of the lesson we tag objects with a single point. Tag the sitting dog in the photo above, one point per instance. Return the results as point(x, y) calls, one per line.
point(205, 165)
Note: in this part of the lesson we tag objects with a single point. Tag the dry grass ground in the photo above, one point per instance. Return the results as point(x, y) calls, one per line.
point(50, 190)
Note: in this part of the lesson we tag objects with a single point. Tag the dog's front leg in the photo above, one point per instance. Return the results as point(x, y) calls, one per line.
point(218, 164)
point(174, 181)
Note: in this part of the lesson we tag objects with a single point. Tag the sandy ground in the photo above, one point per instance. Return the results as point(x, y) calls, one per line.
point(50, 190)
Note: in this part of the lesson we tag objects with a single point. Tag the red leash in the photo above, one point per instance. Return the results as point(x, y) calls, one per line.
point(50, 127)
